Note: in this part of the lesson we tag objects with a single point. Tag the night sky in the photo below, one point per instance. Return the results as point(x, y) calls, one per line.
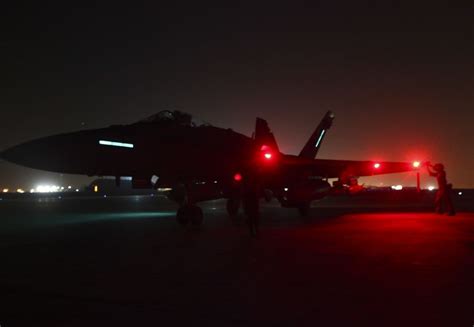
point(400, 78)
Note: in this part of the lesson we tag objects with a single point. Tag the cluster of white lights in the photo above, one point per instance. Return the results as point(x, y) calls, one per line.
point(397, 187)
point(42, 189)
point(47, 189)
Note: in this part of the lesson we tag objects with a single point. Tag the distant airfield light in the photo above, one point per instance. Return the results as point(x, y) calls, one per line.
point(5, 190)
point(376, 165)
point(47, 188)
point(268, 155)
point(397, 187)
point(416, 164)
point(116, 144)
point(105, 195)
point(285, 189)
point(431, 188)
point(215, 182)
point(237, 177)
point(32, 190)
point(21, 191)
point(96, 188)
point(69, 187)
point(77, 190)
point(459, 193)
point(62, 188)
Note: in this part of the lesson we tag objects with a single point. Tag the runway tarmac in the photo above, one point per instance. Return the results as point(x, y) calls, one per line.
point(123, 261)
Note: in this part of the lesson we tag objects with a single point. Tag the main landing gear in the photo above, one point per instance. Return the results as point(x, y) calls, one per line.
point(233, 206)
point(304, 209)
point(189, 213)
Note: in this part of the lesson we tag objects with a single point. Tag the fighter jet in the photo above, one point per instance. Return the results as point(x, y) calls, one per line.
point(201, 162)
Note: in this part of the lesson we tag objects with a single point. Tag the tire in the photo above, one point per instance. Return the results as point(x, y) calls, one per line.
point(303, 209)
point(182, 215)
point(233, 206)
point(196, 215)
point(268, 195)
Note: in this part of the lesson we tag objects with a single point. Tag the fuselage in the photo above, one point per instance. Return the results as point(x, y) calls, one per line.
point(142, 149)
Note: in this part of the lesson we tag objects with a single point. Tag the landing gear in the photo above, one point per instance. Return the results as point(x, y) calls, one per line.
point(252, 207)
point(233, 206)
point(189, 213)
point(268, 195)
point(303, 209)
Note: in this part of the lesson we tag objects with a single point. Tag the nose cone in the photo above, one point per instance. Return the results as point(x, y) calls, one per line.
point(50, 153)
point(30, 154)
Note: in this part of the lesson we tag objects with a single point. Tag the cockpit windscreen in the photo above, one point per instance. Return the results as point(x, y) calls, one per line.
point(174, 117)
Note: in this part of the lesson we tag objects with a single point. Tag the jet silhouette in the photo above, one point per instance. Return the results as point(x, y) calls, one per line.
point(201, 162)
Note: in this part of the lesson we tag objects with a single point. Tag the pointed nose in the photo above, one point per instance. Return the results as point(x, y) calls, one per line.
point(64, 153)
point(46, 153)
point(30, 154)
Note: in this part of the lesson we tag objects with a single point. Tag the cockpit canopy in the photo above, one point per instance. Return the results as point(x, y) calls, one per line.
point(174, 117)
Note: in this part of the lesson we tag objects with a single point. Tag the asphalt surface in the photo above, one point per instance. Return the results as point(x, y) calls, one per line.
point(123, 261)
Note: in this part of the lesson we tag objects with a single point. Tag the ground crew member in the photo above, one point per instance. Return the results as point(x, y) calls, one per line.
point(444, 189)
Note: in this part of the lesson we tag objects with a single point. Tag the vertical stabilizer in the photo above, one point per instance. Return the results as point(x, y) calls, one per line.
point(263, 135)
point(311, 148)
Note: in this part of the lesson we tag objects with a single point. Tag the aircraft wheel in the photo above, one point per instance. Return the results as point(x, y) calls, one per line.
point(233, 206)
point(182, 215)
point(303, 209)
point(196, 215)
point(268, 195)
point(190, 213)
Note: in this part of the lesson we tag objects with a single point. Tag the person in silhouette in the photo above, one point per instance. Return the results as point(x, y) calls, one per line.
point(444, 189)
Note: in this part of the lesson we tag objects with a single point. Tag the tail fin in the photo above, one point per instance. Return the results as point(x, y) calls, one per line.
point(311, 148)
point(263, 135)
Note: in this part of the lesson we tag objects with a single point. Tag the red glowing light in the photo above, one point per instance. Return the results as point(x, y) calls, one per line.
point(376, 165)
point(416, 164)
point(237, 177)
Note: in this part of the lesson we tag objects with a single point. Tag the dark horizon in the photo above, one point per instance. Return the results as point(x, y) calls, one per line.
point(398, 77)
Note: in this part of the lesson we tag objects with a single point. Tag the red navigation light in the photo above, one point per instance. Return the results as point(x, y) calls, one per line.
point(416, 164)
point(237, 177)
point(376, 165)
point(267, 152)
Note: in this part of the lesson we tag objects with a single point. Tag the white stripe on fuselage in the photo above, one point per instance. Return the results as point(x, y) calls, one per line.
point(117, 144)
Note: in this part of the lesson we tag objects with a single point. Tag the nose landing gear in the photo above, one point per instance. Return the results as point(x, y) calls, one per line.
point(233, 206)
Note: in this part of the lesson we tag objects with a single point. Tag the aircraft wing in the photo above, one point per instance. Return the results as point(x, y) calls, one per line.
point(347, 168)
